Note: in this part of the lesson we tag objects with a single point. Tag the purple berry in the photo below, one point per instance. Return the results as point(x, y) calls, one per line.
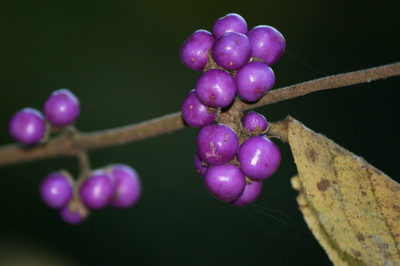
point(195, 113)
point(199, 165)
point(61, 108)
point(217, 144)
point(74, 213)
point(253, 121)
point(250, 193)
point(127, 186)
point(229, 23)
point(259, 157)
point(97, 191)
point(226, 182)
point(216, 88)
point(56, 189)
point(267, 43)
point(194, 51)
point(254, 80)
point(232, 50)
point(27, 126)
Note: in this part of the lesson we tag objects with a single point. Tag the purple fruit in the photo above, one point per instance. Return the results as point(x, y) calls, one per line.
point(199, 165)
point(250, 193)
point(216, 88)
point(127, 186)
point(56, 189)
point(254, 80)
point(253, 121)
point(229, 23)
point(195, 113)
point(97, 191)
point(225, 182)
point(232, 50)
point(194, 51)
point(217, 144)
point(27, 126)
point(259, 157)
point(74, 212)
point(61, 108)
point(267, 43)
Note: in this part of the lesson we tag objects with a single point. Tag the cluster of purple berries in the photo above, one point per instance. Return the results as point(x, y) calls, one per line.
point(233, 172)
point(29, 126)
point(117, 185)
point(235, 62)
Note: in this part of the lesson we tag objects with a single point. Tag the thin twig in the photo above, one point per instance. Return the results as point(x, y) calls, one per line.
point(84, 165)
point(67, 146)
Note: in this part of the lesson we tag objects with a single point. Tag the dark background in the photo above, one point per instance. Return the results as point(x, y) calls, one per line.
point(121, 59)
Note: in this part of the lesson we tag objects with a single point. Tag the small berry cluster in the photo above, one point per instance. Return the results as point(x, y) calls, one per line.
point(235, 62)
point(29, 126)
point(117, 185)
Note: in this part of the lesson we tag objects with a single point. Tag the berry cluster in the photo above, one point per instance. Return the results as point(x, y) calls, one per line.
point(117, 185)
point(235, 62)
point(29, 126)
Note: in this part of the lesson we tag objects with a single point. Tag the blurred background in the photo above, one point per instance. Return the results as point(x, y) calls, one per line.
point(121, 59)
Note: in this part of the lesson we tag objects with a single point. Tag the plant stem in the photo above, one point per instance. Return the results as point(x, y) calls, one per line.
point(84, 165)
point(66, 145)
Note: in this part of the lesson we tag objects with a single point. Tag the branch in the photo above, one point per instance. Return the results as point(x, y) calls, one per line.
point(69, 145)
point(330, 82)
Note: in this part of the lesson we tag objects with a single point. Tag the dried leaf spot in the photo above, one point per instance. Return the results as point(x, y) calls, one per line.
point(323, 185)
point(383, 246)
point(356, 253)
point(312, 155)
point(360, 237)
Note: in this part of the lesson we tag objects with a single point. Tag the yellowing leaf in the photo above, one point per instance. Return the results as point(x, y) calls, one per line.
point(352, 208)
